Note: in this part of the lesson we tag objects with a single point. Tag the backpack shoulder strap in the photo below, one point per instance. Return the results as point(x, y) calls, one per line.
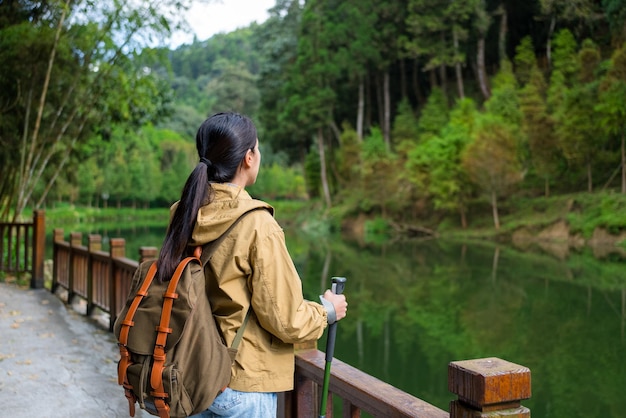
point(128, 322)
point(163, 330)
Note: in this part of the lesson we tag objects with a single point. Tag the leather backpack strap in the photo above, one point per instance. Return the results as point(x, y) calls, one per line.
point(125, 360)
point(163, 330)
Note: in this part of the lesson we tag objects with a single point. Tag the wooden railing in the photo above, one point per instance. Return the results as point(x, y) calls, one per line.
point(485, 387)
point(22, 248)
point(101, 278)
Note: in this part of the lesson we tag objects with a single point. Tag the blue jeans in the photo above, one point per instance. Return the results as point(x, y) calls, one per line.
point(235, 404)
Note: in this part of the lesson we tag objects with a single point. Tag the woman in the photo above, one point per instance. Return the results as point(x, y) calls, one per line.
point(251, 269)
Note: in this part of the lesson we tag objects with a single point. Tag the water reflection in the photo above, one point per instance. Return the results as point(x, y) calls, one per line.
point(416, 306)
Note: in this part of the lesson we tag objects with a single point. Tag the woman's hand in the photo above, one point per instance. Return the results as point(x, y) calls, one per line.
point(339, 303)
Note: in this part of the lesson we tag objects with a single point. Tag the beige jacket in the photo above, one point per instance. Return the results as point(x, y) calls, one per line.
point(252, 267)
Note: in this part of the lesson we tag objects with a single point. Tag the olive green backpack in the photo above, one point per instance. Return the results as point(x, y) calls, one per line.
point(173, 360)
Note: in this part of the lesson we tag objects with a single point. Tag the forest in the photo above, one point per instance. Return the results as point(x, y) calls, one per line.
point(404, 110)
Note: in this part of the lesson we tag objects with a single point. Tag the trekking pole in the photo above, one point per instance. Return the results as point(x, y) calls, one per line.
point(338, 284)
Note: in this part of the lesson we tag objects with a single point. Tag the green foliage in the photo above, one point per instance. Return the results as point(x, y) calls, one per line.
point(601, 210)
point(449, 185)
point(380, 185)
point(577, 122)
point(491, 160)
point(405, 125)
point(376, 230)
point(434, 115)
point(312, 176)
point(303, 73)
point(277, 182)
point(612, 106)
point(525, 60)
point(616, 15)
point(538, 126)
point(504, 102)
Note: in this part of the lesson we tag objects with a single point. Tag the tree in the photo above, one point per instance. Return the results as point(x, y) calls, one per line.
point(577, 129)
point(491, 160)
point(234, 88)
point(387, 31)
point(440, 157)
point(277, 41)
point(73, 69)
point(434, 115)
point(436, 29)
point(537, 125)
point(481, 25)
point(616, 15)
point(612, 107)
point(565, 10)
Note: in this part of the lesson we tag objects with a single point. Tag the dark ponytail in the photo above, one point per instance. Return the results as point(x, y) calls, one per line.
point(222, 142)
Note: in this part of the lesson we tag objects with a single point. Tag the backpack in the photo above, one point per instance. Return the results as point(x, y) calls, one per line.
point(173, 360)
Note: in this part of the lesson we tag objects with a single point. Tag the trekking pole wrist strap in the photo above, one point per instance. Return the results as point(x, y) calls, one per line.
point(330, 310)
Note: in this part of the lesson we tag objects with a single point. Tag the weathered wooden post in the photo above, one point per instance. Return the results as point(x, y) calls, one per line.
point(57, 238)
point(94, 244)
point(488, 388)
point(76, 240)
point(39, 249)
point(147, 253)
point(117, 249)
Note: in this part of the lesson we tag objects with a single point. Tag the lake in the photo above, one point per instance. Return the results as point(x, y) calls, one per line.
point(414, 306)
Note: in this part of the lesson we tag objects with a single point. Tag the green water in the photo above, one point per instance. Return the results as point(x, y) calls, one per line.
point(416, 306)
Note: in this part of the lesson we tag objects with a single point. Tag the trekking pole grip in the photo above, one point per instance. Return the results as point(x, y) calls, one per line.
point(338, 284)
point(337, 287)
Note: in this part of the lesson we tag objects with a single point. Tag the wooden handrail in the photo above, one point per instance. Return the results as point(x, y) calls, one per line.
point(22, 248)
point(360, 392)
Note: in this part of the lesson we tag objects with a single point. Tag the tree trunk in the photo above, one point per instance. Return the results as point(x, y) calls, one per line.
point(623, 163)
point(443, 79)
point(494, 264)
point(482, 72)
point(503, 32)
point(403, 84)
point(25, 176)
point(387, 110)
point(457, 65)
point(380, 101)
point(549, 41)
point(463, 217)
point(320, 144)
point(369, 103)
point(416, 83)
point(360, 110)
point(494, 209)
point(547, 186)
point(589, 178)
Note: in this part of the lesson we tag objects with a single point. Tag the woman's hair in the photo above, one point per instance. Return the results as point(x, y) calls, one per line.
point(222, 142)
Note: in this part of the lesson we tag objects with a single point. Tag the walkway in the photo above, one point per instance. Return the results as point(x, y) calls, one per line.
point(54, 362)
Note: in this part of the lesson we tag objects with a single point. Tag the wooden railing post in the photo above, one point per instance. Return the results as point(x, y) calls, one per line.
point(39, 249)
point(94, 244)
point(117, 249)
point(488, 387)
point(76, 240)
point(147, 253)
point(57, 238)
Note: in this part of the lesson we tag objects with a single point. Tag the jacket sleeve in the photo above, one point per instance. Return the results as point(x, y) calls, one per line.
point(277, 296)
